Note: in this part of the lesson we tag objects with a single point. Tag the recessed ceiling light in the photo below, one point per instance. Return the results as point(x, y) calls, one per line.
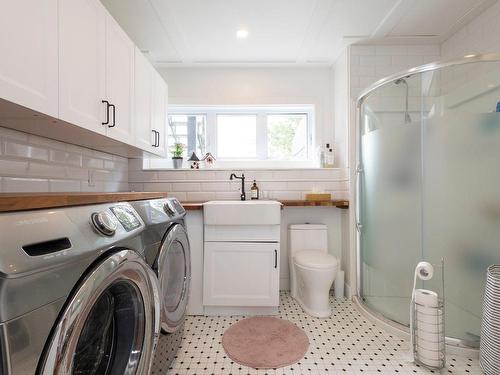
point(242, 34)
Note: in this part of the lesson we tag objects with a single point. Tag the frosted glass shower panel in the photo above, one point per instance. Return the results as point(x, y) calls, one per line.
point(461, 187)
point(390, 203)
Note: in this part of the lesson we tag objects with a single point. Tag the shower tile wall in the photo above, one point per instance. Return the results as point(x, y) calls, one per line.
point(29, 163)
point(370, 63)
point(481, 35)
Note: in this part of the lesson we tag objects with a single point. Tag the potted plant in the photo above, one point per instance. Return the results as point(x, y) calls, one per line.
point(177, 152)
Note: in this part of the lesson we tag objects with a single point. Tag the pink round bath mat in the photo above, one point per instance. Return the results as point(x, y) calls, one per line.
point(264, 342)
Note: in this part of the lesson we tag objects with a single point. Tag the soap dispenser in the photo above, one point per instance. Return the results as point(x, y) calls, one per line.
point(254, 191)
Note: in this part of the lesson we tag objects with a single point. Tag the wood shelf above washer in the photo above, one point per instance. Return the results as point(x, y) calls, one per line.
point(10, 202)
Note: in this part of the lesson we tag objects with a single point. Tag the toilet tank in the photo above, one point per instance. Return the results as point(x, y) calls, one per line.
point(307, 237)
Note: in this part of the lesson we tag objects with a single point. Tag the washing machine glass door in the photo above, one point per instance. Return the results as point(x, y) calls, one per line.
point(173, 267)
point(110, 324)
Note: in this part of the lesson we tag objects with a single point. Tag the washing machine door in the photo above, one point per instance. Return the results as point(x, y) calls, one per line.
point(110, 324)
point(173, 268)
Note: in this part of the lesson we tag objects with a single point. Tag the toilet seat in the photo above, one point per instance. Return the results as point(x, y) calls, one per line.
point(315, 259)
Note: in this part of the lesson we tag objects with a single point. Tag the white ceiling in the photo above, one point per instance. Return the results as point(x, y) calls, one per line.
point(203, 32)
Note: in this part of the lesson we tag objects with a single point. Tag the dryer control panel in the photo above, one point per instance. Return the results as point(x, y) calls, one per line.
point(126, 216)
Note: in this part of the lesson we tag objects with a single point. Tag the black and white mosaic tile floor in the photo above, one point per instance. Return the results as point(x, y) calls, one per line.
point(346, 343)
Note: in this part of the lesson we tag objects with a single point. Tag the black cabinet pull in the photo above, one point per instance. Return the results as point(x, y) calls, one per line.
point(156, 138)
point(107, 112)
point(275, 258)
point(114, 116)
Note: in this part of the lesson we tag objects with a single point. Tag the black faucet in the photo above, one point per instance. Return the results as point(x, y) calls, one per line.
point(243, 196)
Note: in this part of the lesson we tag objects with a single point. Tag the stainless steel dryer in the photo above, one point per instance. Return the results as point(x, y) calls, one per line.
point(167, 251)
point(76, 296)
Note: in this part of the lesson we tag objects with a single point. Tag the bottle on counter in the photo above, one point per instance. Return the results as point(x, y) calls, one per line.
point(329, 157)
point(254, 191)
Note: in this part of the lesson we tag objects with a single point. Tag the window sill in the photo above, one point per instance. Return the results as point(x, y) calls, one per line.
point(224, 165)
point(244, 168)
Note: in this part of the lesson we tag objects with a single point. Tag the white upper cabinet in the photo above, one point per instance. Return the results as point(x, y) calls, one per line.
point(145, 138)
point(28, 63)
point(82, 63)
point(159, 112)
point(71, 60)
point(119, 81)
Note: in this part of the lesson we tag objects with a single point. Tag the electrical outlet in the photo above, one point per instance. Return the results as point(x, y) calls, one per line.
point(90, 179)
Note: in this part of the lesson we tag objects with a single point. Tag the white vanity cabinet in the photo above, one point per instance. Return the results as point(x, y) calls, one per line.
point(241, 257)
point(241, 274)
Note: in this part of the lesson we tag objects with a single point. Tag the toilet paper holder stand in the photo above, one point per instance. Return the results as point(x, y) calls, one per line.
point(428, 327)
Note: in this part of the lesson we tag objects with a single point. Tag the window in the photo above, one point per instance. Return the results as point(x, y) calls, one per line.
point(236, 136)
point(190, 130)
point(263, 136)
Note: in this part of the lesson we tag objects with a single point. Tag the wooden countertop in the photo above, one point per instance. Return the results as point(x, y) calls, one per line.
point(32, 201)
point(189, 206)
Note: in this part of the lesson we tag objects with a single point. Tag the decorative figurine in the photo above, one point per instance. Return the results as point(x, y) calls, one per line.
point(195, 162)
point(209, 160)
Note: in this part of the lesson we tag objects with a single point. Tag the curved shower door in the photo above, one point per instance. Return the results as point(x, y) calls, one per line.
point(390, 197)
point(429, 189)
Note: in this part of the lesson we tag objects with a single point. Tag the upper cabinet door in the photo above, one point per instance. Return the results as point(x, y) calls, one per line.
point(82, 63)
point(28, 62)
point(159, 112)
point(145, 137)
point(119, 81)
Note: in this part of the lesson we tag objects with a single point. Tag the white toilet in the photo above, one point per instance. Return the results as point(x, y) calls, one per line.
point(312, 269)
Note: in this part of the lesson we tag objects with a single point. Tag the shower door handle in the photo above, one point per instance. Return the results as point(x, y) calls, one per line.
point(359, 170)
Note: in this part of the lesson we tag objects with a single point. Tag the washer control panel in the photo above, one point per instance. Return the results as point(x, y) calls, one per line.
point(104, 223)
point(126, 216)
point(169, 209)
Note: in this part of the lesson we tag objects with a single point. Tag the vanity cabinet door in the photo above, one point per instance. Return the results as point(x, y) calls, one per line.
point(241, 274)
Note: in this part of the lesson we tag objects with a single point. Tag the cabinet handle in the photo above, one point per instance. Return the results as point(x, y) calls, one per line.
point(275, 258)
point(114, 116)
point(107, 112)
point(155, 141)
point(158, 141)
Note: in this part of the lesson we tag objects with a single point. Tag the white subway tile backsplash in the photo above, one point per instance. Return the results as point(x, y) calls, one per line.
point(89, 162)
point(215, 186)
point(200, 196)
point(67, 158)
point(24, 185)
point(170, 175)
point(64, 185)
point(136, 186)
point(21, 150)
point(185, 186)
point(13, 167)
point(157, 186)
point(31, 163)
point(46, 170)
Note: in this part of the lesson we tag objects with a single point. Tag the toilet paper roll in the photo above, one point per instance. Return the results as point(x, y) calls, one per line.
point(424, 271)
point(426, 298)
point(429, 357)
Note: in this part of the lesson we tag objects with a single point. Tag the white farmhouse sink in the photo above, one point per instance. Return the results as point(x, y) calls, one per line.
point(242, 212)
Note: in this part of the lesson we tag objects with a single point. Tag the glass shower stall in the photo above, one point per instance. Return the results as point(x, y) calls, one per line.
point(428, 188)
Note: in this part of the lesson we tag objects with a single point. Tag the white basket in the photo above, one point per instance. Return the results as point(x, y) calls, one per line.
point(490, 324)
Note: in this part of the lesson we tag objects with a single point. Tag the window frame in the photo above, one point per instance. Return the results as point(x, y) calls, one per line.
point(210, 112)
point(261, 112)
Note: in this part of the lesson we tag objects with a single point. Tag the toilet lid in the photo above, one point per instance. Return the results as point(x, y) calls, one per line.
point(315, 259)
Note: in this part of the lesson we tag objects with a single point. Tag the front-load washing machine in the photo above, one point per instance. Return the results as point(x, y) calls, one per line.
point(76, 296)
point(167, 251)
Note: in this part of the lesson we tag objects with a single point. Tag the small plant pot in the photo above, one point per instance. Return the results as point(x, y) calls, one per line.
point(177, 163)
